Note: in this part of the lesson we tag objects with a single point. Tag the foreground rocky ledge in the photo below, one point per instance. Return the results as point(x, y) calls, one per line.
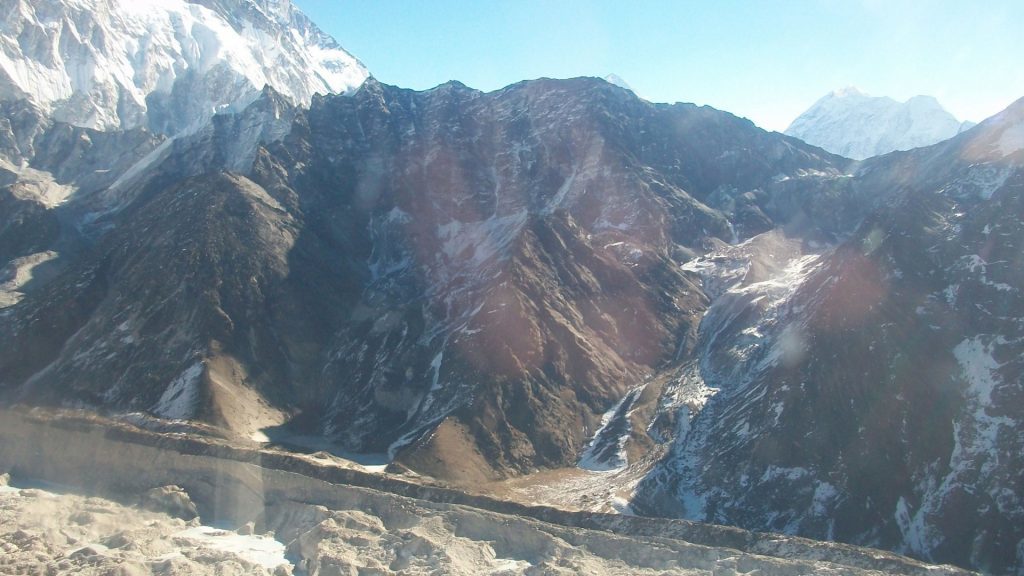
point(337, 519)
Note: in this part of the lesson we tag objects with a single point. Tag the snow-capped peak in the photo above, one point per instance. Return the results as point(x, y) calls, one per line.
point(856, 125)
point(618, 81)
point(846, 91)
point(166, 64)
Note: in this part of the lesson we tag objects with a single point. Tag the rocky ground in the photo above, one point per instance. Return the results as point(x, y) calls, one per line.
point(90, 496)
point(49, 532)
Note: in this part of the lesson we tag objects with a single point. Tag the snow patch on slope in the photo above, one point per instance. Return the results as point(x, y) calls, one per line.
point(478, 242)
point(980, 370)
point(975, 453)
point(606, 450)
point(981, 180)
point(178, 401)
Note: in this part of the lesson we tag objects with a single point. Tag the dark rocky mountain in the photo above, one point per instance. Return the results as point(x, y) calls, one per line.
point(876, 399)
point(483, 267)
point(478, 286)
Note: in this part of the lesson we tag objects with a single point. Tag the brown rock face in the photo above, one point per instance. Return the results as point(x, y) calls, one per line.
point(521, 262)
point(504, 266)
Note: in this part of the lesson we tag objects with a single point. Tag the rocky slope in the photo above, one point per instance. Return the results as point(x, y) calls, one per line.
point(495, 269)
point(853, 124)
point(873, 396)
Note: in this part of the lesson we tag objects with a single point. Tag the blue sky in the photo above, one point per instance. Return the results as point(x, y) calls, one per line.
point(767, 60)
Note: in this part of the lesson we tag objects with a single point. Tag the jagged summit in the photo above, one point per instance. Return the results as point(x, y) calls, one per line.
point(164, 64)
point(857, 125)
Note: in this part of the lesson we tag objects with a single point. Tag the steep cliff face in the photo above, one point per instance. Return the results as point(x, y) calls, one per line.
point(881, 402)
point(541, 249)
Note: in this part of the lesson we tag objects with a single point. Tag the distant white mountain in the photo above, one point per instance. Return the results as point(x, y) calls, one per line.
point(853, 124)
point(165, 64)
point(618, 81)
